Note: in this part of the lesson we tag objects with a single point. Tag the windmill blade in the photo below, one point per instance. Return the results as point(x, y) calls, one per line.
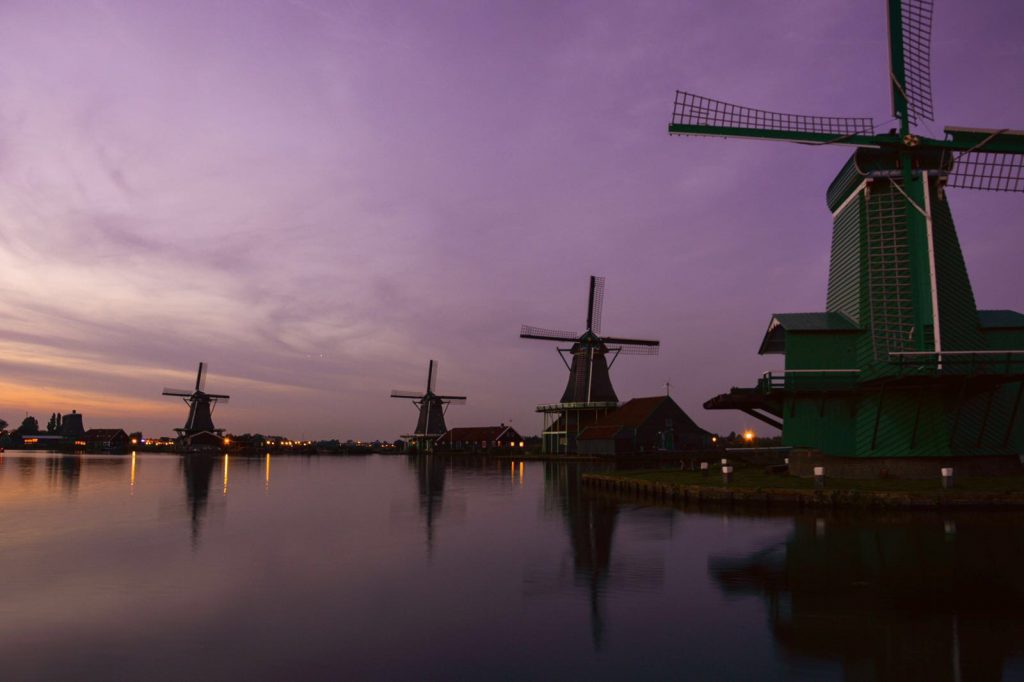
point(987, 159)
point(406, 394)
point(698, 115)
point(595, 305)
point(218, 396)
point(995, 171)
point(201, 377)
point(181, 392)
point(432, 376)
point(910, 39)
point(528, 332)
point(638, 350)
point(633, 346)
point(619, 341)
point(453, 399)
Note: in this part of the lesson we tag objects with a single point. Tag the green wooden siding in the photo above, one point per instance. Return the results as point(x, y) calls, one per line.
point(845, 270)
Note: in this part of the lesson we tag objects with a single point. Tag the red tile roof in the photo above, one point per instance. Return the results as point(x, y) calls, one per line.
point(599, 432)
point(636, 412)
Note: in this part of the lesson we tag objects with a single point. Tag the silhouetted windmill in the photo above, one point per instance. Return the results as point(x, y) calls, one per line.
point(432, 408)
point(200, 412)
point(589, 391)
point(902, 362)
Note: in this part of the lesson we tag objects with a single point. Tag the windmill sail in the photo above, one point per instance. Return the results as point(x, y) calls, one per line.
point(910, 37)
point(595, 304)
point(699, 115)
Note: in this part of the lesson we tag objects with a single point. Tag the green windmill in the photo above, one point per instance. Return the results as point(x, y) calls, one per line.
point(901, 363)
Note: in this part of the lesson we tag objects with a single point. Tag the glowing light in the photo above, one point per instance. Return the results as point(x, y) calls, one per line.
point(714, 439)
point(748, 436)
point(135, 441)
point(521, 443)
point(227, 441)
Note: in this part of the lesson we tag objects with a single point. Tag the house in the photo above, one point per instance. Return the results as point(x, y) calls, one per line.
point(203, 440)
point(655, 424)
point(494, 439)
point(106, 440)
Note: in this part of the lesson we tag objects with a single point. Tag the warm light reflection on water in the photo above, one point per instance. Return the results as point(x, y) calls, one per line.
point(394, 567)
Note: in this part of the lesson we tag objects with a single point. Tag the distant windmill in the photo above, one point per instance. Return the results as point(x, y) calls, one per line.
point(902, 362)
point(589, 387)
point(432, 408)
point(200, 410)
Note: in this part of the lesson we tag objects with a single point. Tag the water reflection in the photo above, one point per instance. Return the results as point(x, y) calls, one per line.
point(197, 472)
point(893, 597)
point(430, 477)
point(591, 519)
point(64, 470)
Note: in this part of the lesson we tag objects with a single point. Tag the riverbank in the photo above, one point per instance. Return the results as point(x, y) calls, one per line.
point(757, 487)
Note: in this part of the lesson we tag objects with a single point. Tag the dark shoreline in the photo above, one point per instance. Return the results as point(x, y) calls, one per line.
point(645, 487)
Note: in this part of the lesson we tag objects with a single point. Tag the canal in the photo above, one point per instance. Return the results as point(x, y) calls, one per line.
point(396, 567)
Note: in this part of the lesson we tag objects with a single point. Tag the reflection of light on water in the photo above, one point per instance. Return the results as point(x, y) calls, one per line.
point(513, 464)
point(225, 474)
point(267, 485)
point(520, 472)
point(133, 473)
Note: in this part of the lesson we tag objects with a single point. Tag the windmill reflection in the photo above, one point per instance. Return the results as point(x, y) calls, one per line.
point(591, 519)
point(198, 475)
point(66, 470)
point(898, 597)
point(430, 478)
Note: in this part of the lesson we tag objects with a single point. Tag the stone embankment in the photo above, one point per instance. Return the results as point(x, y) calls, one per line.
point(653, 491)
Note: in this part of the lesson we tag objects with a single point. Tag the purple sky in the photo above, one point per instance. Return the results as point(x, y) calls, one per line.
point(318, 197)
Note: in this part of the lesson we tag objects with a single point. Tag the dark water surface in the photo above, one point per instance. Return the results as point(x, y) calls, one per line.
point(390, 567)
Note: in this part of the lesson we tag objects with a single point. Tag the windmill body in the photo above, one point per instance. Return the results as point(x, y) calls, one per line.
point(430, 424)
point(901, 363)
point(588, 394)
point(199, 433)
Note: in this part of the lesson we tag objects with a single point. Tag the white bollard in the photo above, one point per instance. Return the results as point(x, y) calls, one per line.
point(947, 477)
point(819, 477)
point(704, 468)
point(727, 473)
point(724, 461)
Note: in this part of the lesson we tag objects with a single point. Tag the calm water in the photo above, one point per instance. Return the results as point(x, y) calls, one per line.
point(404, 568)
